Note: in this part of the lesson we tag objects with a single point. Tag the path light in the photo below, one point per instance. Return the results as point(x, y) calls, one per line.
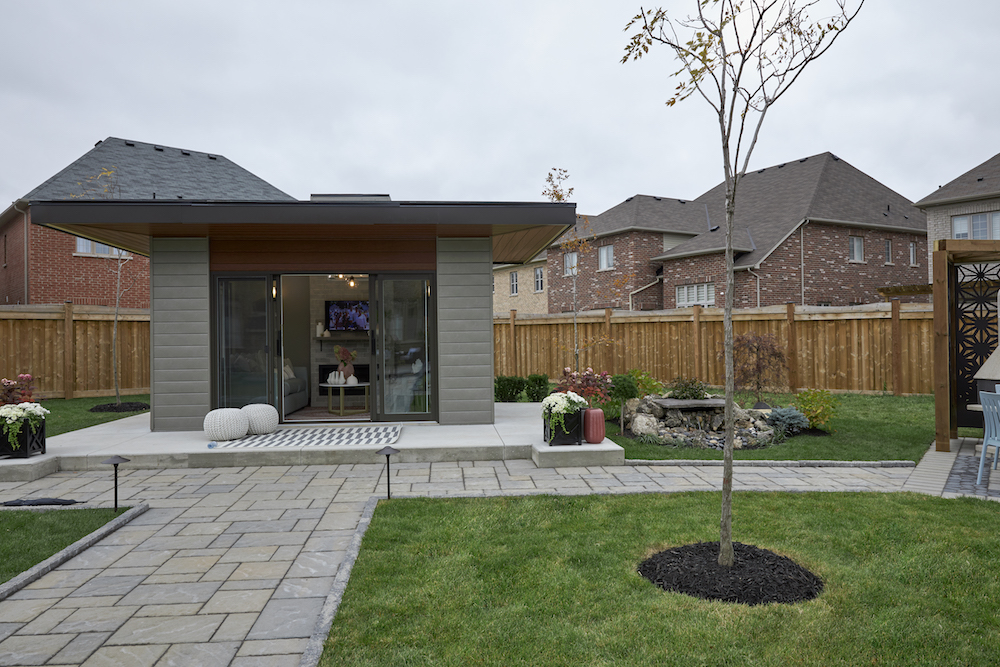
point(387, 451)
point(115, 460)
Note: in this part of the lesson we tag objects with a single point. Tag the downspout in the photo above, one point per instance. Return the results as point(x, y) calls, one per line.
point(24, 214)
point(634, 292)
point(750, 271)
point(802, 258)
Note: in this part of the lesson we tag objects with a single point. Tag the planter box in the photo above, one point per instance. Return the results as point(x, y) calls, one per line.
point(30, 443)
point(572, 435)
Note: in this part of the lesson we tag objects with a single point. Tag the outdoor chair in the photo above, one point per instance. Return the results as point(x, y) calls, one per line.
point(991, 429)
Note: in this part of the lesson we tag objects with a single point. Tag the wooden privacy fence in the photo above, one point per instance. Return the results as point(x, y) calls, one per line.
point(873, 347)
point(67, 349)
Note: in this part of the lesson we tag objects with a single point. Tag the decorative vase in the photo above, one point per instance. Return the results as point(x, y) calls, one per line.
point(346, 368)
point(29, 444)
point(319, 329)
point(572, 434)
point(593, 425)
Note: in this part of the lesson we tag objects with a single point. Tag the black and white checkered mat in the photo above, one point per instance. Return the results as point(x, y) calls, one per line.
point(318, 437)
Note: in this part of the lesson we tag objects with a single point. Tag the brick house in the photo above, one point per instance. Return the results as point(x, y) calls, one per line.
point(42, 265)
point(815, 231)
point(966, 208)
point(521, 287)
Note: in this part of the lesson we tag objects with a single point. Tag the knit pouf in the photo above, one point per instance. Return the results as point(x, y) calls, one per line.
point(263, 418)
point(226, 424)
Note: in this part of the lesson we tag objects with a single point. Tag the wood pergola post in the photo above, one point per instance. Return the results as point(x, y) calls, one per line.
point(793, 349)
point(897, 350)
point(944, 408)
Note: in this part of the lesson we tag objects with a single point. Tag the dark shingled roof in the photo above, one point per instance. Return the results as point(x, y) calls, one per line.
point(981, 182)
point(148, 171)
point(770, 204)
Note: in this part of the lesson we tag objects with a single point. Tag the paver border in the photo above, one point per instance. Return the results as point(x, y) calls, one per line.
point(52, 562)
point(767, 463)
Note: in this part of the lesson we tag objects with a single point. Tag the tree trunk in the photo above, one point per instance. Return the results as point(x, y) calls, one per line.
point(114, 331)
point(726, 557)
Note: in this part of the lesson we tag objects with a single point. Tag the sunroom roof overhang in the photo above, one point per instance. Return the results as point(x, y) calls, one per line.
point(519, 230)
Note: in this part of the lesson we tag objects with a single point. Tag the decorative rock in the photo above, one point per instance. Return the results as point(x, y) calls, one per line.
point(226, 424)
point(645, 424)
point(262, 418)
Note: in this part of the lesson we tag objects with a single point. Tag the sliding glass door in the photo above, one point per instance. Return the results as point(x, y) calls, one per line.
point(403, 342)
point(244, 364)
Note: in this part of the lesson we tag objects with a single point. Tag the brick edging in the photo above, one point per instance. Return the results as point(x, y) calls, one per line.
point(38, 571)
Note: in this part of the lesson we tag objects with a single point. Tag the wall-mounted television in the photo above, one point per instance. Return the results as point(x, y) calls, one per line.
point(347, 315)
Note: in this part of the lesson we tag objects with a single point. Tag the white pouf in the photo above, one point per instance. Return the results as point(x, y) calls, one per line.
point(263, 418)
point(226, 424)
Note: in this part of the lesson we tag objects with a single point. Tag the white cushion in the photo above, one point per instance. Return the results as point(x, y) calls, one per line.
point(262, 418)
point(226, 424)
point(288, 373)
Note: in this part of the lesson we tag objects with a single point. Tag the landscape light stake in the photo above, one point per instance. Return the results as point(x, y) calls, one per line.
point(388, 451)
point(115, 460)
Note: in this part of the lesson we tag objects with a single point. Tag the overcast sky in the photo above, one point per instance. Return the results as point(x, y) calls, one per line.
point(458, 100)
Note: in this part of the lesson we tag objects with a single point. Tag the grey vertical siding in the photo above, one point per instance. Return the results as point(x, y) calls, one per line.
point(179, 333)
point(465, 331)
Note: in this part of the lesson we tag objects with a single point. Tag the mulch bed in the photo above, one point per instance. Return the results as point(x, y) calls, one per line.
point(123, 407)
point(758, 576)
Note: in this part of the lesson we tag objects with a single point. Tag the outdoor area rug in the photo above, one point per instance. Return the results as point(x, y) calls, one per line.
point(318, 437)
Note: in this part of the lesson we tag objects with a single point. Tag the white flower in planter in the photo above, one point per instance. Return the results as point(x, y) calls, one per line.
point(556, 406)
point(13, 417)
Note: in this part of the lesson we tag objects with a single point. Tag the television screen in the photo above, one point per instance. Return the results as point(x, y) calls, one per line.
point(347, 315)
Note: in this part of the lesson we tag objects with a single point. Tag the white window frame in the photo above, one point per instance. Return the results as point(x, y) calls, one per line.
point(513, 283)
point(606, 258)
point(571, 264)
point(89, 248)
point(539, 279)
point(697, 294)
point(913, 253)
point(856, 249)
point(888, 252)
point(976, 226)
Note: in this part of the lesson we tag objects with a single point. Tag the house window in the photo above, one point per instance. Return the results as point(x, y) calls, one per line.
point(702, 294)
point(913, 253)
point(857, 249)
point(888, 251)
point(513, 283)
point(606, 258)
point(825, 304)
point(569, 264)
point(977, 226)
point(88, 247)
point(539, 279)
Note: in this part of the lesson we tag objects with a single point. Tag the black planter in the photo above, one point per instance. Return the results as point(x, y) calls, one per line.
point(571, 435)
point(29, 444)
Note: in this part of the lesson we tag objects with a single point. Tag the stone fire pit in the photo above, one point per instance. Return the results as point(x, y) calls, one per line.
point(695, 423)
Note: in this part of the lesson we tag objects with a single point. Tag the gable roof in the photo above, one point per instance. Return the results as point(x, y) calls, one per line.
point(150, 171)
point(648, 213)
point(980, 182)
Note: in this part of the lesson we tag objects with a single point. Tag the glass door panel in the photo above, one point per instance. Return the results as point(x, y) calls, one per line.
point(404, 348)
point(242, 319)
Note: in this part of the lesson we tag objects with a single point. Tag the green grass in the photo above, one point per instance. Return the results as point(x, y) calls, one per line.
point(27, 538)
point(866, 427)
point(74, 414)
point(544, 580)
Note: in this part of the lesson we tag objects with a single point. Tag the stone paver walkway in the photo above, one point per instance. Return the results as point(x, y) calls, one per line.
point(232, 566)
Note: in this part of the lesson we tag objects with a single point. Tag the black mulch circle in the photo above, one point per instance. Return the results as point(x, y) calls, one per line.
point(124, 407)
point(758, 576)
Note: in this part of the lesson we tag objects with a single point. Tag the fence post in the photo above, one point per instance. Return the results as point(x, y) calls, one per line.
point(513, 344)
point(793, 350)
point(897, 350)
point(609, 351)
point(69, 351)
point(696, 329)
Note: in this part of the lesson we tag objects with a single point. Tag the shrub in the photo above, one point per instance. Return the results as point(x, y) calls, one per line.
point(687, 389)
point(758, 363)
point(538, 387)
point(506, 388)
point(623, 388)
point(649, 439)
point(787, 421)
point(592, 386)
point(16, 391)
point(818, 405)
point(646, 383)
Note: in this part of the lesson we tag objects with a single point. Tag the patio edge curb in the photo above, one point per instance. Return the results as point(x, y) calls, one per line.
point(52, 562)
point(773, 464)
point(314, 647)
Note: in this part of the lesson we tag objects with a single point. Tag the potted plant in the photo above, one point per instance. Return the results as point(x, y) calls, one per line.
point(23, 429)
point(345, 357)
point(594, 387)
point(562, 415)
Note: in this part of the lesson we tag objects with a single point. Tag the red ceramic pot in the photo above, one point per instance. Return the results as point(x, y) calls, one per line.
point(593, 425)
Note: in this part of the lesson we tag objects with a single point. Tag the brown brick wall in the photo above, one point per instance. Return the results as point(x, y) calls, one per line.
point(12, 272)
point(55, 275)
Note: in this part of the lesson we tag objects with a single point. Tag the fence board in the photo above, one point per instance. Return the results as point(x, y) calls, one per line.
point(848, 349)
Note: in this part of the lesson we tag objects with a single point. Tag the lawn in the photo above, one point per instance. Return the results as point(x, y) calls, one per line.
point(545, 580)
point(866, 427)
point(73, 414)
point(27, 537)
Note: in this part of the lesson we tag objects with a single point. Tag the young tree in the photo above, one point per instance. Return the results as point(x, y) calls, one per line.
point(740, 56)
